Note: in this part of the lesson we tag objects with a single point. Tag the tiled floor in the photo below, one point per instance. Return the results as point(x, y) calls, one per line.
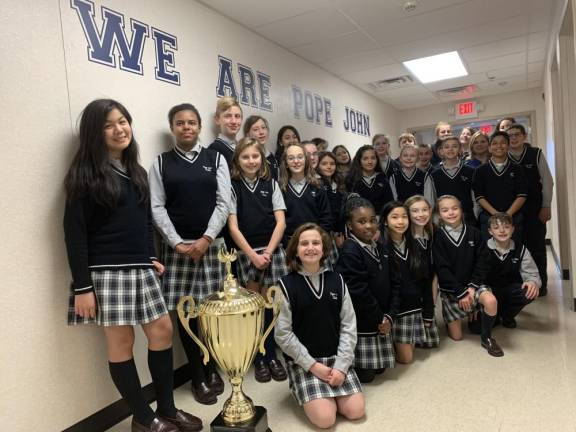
point(457, 387)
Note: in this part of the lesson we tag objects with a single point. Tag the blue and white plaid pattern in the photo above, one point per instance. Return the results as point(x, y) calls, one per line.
point(409, 329)
point(306, 387)
point(185, 277)
point(123, 297)
point(267, 277)
point(451, 310)
point(375, 352)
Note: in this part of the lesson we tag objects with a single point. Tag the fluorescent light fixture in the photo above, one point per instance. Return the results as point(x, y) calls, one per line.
point(437, 68)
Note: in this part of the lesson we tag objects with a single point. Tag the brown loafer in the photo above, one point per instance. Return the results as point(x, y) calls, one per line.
point(185, 422)
point(277, 370)
point(203, 393)
point(261, 371)
point(492, 347)
point(216, 383)
point(157, 425)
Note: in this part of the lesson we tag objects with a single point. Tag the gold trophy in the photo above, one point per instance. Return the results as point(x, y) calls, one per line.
point(231, 323)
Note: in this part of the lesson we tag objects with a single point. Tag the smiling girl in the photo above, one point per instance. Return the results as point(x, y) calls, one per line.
point(319, 352)
point(110, 245)
point(228, 118)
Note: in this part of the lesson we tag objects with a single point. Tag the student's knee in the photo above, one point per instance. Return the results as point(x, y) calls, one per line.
point(322, 419)
point(354, 409)
point(488, 300)
point(159, 332)
point(404, 355)
point(455, 330)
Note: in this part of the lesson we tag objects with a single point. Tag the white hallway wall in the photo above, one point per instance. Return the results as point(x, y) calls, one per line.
point(56, 372)
point(59, 372)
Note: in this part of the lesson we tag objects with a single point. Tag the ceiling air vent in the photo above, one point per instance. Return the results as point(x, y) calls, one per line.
point(462, 91)
point(391, 83)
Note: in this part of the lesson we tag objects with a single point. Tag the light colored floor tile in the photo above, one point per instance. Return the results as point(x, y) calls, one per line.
point(457, 387)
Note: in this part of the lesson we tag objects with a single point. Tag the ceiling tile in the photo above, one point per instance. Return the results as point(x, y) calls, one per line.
point(307, 28)
point(253, 13)
point(338, 46)
point(376, 74)
point(536, 55)
point(537, 40)
point(496, 63)
point(494, 49)
point(359, 61)
point(536, 67)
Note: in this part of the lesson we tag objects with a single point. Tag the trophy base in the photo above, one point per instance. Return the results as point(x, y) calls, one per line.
point(259, 423)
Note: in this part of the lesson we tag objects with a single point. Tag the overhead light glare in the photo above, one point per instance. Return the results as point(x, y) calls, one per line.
point(437, 68)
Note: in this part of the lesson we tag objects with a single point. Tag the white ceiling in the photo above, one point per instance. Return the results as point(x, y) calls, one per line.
point(503, 43)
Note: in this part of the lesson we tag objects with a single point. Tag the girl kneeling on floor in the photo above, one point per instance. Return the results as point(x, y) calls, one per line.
point(319, 352)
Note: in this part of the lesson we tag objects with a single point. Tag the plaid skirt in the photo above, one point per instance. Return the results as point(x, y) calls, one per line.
point(374, 352)
point(267, 277)
point(409, 329)
point(306, 387)
point(432, 336)
point(451, 311)
point(123, 297)
point(185, 277)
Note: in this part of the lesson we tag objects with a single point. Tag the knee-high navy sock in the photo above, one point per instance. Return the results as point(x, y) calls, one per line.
point(192, 351)
point(125, 377)
point(487, 324)
point(160, 364)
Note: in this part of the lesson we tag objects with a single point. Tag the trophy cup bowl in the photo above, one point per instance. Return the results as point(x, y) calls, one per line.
point(231, 324)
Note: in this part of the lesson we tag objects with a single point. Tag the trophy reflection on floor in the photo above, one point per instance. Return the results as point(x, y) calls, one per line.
point(231, 323)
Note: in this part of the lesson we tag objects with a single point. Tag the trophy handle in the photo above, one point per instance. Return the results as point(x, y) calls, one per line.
point(185, 316)
point(273, 295)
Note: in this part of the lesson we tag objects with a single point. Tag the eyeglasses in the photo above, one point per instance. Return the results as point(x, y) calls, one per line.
point(514, 134)
point(299, 157)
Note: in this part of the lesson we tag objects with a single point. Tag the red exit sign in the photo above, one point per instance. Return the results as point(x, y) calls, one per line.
point(466, 109)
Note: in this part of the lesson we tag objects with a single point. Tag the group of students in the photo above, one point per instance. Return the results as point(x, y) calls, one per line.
point(351, 242)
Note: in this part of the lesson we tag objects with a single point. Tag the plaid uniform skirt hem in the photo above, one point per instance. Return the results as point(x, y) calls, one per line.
point(409, 329)
point(375, 352)
point(451, 310)
point(184, 277)
point(306, 387)
point(123, 297)
point(432, 336)
point(267, 277)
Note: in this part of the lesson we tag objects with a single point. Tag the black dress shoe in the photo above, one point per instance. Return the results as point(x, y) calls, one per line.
point(261, 371)
point(216, 383)
point(185, 422)
point(157, 425)
point(203, 393)
point(277, 370)
point(492, 347)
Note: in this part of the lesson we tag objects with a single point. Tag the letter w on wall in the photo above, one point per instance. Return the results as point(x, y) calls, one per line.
point(112, 36)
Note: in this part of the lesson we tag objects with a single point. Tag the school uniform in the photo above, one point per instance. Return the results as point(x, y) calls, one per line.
point(110, 252)
point(416, 301)
point(505, 271)
point(273, 165)
point(424, 247)
point(426, 170)
point(540, 187)
point(374, 289)
point(190, 194)
point(388, 166)
point(500, 185)
point(455, 253)
point(406, 183)
point(375, 189)
point(473, 163)
point(254, 203)
point(317, 323)
point(336, 200)
point(456, 181)
point(305, 203)
point(225, 147)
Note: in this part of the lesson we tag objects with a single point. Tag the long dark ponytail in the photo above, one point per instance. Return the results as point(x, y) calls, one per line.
point(90, 174)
